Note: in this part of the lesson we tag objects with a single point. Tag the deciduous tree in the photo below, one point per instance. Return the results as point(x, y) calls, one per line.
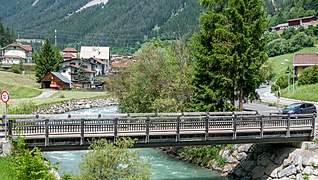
point(113, 161)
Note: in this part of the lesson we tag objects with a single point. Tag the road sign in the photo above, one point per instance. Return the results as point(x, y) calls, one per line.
point(5, 96)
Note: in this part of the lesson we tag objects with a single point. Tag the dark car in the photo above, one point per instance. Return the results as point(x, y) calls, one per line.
point(300, 108)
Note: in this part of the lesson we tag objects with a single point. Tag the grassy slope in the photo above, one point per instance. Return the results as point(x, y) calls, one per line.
point(18, 85)
point(280, 64)
point(306, 93)
point(26, 80)
point(25, 86)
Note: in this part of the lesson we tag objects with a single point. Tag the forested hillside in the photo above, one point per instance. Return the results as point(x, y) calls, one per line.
point(123, 25)
point(6, 35)
point(282, 10)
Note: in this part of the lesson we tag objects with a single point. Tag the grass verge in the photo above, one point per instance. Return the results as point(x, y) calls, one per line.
point(29, 105)
point(17, 92)
point(305, 93)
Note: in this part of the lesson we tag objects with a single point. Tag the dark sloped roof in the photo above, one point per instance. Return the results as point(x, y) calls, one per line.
point(61, 77)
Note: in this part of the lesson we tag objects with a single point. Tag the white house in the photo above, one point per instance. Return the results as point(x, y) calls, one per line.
point(97, 55)
point(12, 53)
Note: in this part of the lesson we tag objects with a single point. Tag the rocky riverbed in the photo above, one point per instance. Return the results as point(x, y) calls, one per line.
point(76, 105)
point(266, 161)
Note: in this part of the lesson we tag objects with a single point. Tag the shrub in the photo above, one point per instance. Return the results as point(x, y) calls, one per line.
point(25, 108)
point(28, 164)
point(282, 81)
point(274, 87)
point(309, 76)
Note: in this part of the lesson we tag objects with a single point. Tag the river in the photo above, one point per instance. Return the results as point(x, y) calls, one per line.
point(162, 165)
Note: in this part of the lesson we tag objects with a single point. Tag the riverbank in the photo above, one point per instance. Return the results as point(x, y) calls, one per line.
point(262, 161)
point(74, 105)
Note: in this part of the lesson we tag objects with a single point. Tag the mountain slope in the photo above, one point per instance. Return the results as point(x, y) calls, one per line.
point(119, 24)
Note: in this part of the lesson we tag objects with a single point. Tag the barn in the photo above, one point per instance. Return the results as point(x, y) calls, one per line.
point(55, 80)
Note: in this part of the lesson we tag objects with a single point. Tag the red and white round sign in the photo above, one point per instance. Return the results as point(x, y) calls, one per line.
point(5, 96)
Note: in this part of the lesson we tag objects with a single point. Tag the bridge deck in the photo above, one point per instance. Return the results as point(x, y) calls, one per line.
point(167, 129)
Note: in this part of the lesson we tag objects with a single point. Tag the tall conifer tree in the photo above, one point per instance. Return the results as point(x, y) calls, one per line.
point(228, 53)
point(48, 60)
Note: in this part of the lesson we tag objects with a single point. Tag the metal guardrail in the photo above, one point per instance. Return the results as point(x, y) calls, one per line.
point(158, 129)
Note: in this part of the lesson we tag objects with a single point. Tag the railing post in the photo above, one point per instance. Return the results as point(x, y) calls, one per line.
point(178, 129)
point(313, 126)
point(115, 128)
point(47, 140)
point(4, 120)
point(234, 126)
point(288, 126)
point(147, 129)
point(262, 126)
point(207, 127)
point(82, 132)
point(10, 127)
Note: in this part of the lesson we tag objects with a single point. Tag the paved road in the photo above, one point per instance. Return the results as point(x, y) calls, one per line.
point(46, 93)
point(266, 96)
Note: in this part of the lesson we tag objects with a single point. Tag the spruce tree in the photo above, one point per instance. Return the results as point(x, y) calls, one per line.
point(47, 61)
point(228, 53)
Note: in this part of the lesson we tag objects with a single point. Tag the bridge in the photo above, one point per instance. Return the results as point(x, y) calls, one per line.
point(76, 131)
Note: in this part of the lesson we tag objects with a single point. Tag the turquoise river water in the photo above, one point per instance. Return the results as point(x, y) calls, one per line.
point(162, 165)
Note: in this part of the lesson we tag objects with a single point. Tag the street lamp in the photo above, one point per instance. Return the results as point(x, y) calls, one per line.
point(288, 71)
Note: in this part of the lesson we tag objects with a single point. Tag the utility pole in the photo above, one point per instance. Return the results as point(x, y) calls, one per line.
point(293, 79)
point(55, 37)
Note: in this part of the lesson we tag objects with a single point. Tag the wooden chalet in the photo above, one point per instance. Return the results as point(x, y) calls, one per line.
point(55, 80)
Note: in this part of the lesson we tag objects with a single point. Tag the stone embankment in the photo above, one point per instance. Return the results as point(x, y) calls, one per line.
point(266, 161)
point(76, 105)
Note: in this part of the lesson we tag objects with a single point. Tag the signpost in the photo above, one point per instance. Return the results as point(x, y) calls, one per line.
point(5, 99)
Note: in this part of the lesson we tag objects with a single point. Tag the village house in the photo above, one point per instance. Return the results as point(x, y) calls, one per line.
point(69, 54)
point(297, 22)
point(119, 65)
point(92, 63)
point(12, 53)
point(302, 61)
point(55, 80)
point(99, 56)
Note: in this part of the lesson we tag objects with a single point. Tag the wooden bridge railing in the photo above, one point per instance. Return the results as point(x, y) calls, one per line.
point(162, 127)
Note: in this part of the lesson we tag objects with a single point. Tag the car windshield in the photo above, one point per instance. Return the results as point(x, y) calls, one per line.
point(294, 105)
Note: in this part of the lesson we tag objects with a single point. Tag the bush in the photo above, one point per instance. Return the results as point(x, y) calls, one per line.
point(274, 87)
point(309, 76)
point(24, 108)
point(28, 164)
point(282, 81)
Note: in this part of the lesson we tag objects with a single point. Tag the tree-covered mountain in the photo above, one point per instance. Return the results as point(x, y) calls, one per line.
point(279, 11)
point(6, 35)
point(119, 24)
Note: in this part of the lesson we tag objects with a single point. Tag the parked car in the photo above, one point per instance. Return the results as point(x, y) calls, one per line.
point(300, 108)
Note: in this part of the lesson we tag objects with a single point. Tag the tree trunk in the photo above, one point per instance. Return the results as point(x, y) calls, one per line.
point(241, 100)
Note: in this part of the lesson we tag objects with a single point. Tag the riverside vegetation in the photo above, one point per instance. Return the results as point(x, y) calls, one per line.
point(105, 160)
